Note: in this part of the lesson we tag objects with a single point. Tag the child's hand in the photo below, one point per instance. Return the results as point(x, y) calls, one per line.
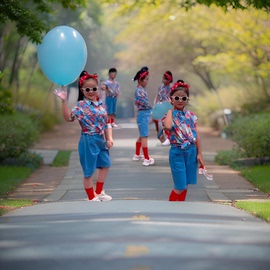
point(61, 93)
point(109, 144)
point(103, 87)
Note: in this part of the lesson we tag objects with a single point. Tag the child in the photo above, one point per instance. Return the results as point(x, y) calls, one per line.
point(96, 137)
point(185, 150)
point(143, 117)
point(112, 89)
point(162, 96)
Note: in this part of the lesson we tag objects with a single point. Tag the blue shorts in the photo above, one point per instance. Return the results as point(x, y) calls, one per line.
point(143, 120)
point(183, 163)
point(93, 154)
point(111, 104)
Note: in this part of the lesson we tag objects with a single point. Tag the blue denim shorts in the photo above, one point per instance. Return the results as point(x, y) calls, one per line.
point(183, 163)
point(143, 120)
point(93, 154)
point(111, 104)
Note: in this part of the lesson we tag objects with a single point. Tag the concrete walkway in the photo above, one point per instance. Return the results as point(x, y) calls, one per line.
point(139, 229)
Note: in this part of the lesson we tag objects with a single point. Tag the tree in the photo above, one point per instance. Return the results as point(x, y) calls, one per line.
point(127, 6)
point(30, 16)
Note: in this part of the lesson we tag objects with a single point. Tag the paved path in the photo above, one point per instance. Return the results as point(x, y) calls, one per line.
point(139, 229)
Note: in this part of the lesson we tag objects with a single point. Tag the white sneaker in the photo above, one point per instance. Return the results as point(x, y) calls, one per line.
point(148, 162)
point(114, 125)
point(166, 143)
point(95, 199)
point(137, 157)
point(103, 197)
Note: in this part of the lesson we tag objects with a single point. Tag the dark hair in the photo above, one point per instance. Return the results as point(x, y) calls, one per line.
point(169, 73)
point(88, 76)
point(141, 71)
point(112, 70)
point(177, 87)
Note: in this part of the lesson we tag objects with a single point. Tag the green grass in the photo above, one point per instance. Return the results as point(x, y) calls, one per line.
point(259, 176)
point(259, 209)
point(11, 177)
point(7, 205)
point(61, 159)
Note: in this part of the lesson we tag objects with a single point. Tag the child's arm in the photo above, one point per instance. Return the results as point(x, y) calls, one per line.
point(168, 120)
point(109, 136)
point(199, 149)
point(62, 94)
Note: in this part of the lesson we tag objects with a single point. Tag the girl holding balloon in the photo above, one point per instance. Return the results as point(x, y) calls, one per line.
point(186, 151)
point(163, 95)
point(96, 136)
point(143, 117)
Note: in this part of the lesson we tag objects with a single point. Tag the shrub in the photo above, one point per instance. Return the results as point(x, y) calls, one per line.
point(17, 134)
point(227, 157)
point(251, 133)
point(5, 102)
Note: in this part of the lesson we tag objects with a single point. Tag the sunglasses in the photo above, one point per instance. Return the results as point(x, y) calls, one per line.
point(177, 98)
point(88, 89)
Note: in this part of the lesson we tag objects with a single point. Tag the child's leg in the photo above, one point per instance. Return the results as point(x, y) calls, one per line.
point(88, 186)
point(182, 196)
point(101, 178)
point(138, 146)
point(145, 147)
point(156, 125)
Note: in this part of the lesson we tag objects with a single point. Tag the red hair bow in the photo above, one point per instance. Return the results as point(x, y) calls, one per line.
point(179, 84)
point(144, 74)
point(87, 76)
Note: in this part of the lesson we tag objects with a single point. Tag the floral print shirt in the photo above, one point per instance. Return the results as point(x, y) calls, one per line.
point(113, 88)
point(183, 131)
point(141, 99)
point(92, 116)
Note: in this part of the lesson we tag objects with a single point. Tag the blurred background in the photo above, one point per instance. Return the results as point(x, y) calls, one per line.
point(222, 51)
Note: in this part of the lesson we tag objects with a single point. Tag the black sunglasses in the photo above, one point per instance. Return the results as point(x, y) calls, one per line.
point(184, 99)
point(88, 89)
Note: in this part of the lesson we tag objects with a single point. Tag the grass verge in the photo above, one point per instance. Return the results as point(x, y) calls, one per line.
point(11, 177)
point(7, 205)
point(259, 209)
point(61, 159)
point(259, 176)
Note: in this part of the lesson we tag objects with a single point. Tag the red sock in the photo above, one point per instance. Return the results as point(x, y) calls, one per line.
point(112, 119)
point(173, 196)
point(182, 196)
point(145, 152)
point(90, 193)
point(99, 187)
point(168, 133)
point(138, 148)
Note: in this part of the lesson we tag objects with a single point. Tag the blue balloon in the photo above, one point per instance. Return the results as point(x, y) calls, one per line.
point(160, 109)
point(62, 55)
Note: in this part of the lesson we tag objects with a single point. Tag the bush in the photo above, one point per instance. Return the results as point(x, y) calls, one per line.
point(5, 102)
point(17, 134)
point(251, 133)
point(227, 157)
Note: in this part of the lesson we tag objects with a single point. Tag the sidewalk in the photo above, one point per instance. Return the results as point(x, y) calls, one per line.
point(53, 184)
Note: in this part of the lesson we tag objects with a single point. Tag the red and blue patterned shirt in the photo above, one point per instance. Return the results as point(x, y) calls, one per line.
point(183, 131)
point(113, 88)
point(141, 99)
point(163, 93)
point(92, 116)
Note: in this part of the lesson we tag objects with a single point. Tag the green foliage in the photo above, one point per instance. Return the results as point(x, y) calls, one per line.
point(5, 102)
point(11, 177)
point(61, 159)
point(26, 159)
point(259, 209)
point(251, 133)
point(29, 15)
point(227, 157)
point(259, 176)
point(17, 134)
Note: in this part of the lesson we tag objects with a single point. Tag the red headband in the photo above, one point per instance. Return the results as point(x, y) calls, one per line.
point(87, 76)
point(179, 84)
point(168, 76)
point(144, 74)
